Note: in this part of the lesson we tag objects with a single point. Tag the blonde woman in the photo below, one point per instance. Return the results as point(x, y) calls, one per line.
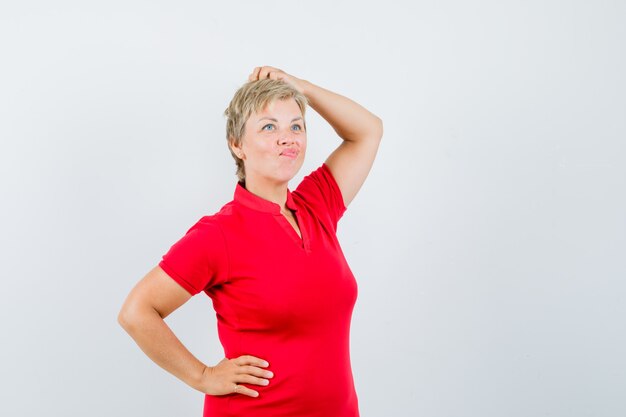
point(270, 261)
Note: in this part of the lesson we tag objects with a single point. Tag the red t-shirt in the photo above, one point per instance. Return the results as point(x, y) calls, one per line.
point(282, 298)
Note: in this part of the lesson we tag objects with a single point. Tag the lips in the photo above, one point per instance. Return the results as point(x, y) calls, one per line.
point(290, 153)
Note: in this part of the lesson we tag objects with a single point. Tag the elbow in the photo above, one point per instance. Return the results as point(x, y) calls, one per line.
point(128, 318)
point(377, 129)
point(124, 320)
point(135, 315)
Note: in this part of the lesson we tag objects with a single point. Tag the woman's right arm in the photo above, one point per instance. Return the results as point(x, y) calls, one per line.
point(153, 299)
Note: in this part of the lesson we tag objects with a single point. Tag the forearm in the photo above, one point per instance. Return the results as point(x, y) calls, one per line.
point(350, 120)
point(160, 344)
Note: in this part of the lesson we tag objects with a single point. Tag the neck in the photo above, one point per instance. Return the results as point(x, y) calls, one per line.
point(274, 192)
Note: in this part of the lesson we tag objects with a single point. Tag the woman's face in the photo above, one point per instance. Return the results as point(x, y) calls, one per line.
point(274, 142)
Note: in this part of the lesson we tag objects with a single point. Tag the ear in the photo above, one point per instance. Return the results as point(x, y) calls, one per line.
point(236, 150)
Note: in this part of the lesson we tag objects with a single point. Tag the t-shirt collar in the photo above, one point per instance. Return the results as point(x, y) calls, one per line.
point(253, 201)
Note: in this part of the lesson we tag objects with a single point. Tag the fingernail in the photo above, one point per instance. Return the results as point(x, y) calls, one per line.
point(265, 363)
point(270, 374)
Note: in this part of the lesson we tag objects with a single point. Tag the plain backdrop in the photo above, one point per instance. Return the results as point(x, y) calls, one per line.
point(488, 241)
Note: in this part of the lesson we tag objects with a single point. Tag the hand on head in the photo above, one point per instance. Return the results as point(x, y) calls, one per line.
point(261, 73)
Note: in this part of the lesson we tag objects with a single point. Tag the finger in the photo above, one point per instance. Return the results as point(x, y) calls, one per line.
point(240, 389)
point(261, 74)
point(250, 360)
point(253, 74)
point(266, 71)
point(273, 75)
point(253, 370)
point(249, 379)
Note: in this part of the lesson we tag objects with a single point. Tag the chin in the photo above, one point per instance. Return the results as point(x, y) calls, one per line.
point(288, 176)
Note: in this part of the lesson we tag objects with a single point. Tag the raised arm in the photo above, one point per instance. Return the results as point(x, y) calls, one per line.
point(360, 130)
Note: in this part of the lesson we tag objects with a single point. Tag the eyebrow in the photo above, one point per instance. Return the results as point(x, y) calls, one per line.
point(274, 120)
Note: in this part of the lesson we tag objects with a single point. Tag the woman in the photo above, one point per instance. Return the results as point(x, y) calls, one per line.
point(270, 261)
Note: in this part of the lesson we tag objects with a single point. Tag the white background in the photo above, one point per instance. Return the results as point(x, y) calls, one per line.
point(488, 241)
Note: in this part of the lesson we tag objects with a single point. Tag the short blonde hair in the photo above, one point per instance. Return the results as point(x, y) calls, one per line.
point(254, 96)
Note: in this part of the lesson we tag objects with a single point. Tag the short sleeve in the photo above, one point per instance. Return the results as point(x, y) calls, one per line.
point(320, 191)
point(199, 260)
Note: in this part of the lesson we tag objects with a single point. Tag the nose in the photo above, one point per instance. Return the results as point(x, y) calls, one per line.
point(286, 137)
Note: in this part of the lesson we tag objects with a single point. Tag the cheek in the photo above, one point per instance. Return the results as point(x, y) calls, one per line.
point(265, 146)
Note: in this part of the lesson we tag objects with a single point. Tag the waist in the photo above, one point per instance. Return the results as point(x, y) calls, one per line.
point(313, 380)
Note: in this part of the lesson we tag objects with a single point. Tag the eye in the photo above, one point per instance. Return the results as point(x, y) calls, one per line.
point(298, 126)
point(269, 124)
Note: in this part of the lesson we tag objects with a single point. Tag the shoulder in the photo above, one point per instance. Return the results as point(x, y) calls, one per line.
point(205, 226)
point(200, 257)
point(319, 191)
point(211, 223)
point(316, 183)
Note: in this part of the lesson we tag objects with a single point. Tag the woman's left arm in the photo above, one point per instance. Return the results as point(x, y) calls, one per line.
point(360, 130)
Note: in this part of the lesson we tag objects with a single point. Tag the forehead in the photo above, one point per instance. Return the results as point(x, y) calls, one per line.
point(289, 107)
